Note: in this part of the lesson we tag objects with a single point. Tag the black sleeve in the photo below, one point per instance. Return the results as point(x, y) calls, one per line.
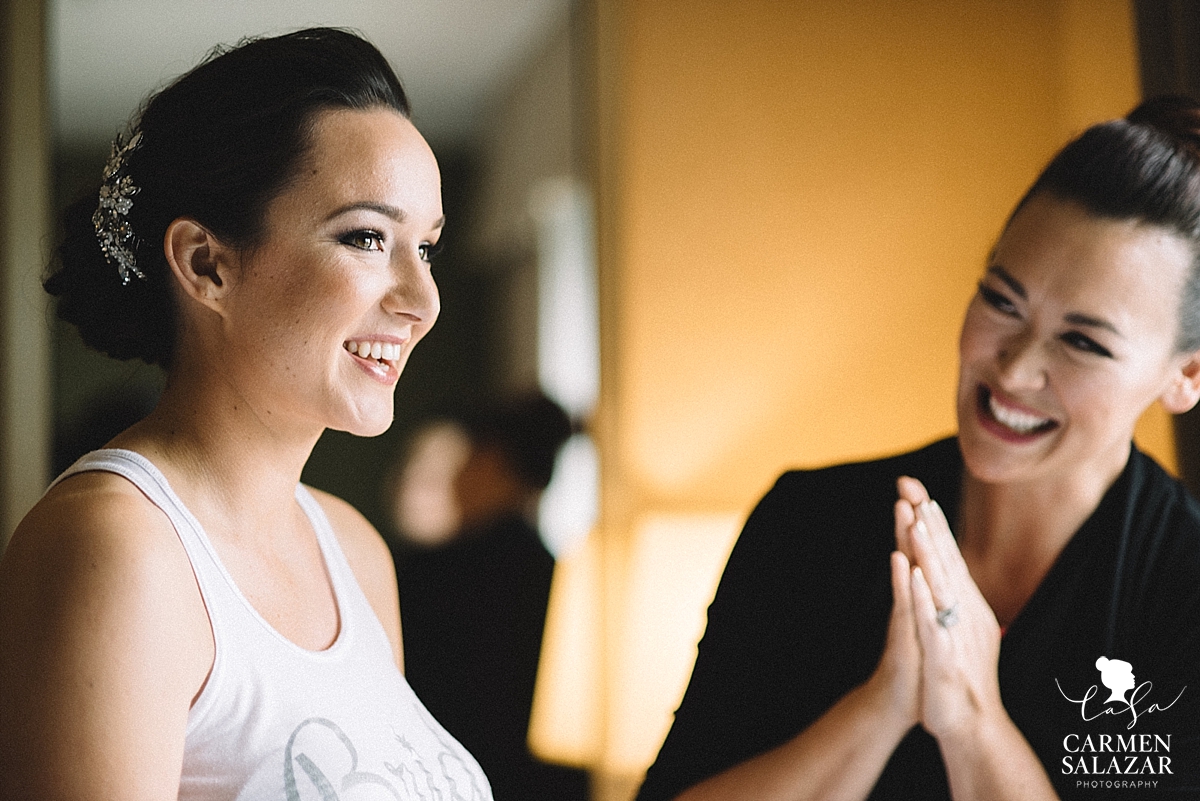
point(775, 653)
point(1167, 653)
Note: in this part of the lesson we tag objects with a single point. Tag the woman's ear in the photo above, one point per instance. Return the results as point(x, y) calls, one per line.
point(1184, 389)
point(202, 265)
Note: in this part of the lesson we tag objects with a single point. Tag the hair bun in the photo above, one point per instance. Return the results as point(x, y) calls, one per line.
point(1177, 116)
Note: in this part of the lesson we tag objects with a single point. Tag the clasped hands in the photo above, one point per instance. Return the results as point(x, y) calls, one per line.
point(939, 667)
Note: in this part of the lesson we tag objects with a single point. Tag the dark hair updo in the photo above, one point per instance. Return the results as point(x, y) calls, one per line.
point(1145, 167)
point(217, 146)
point(528, 430)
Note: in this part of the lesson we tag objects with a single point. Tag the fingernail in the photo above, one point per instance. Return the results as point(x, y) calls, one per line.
point(921, 529)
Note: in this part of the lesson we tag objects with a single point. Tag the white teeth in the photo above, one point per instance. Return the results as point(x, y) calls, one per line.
point(1018, 421)
point(383, 351)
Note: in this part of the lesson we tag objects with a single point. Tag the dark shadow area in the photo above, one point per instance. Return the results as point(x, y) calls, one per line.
point(1168, 34)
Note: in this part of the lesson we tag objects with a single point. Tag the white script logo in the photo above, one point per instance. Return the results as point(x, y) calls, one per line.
point(1117, 676)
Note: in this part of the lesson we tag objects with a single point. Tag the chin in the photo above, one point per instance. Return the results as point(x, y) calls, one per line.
point(366, 426)
point(990, 470)
point(993, 462)
point(371, 429)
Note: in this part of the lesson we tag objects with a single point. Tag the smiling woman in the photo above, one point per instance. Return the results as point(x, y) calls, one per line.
point(179, 616)
point(856, 648)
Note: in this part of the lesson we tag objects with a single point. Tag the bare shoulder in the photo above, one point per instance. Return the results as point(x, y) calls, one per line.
point(96, 591)
point(94, 532)
point(370, 559)
point(91, 510)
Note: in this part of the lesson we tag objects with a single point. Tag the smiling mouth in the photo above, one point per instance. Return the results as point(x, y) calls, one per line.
point(379, 351)
point(1009, 420)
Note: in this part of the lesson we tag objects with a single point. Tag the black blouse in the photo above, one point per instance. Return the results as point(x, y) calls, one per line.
point(800, 618)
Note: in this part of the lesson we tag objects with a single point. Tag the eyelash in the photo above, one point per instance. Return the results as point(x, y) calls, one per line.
point(355, 239)
point(1073, 339)
point(1085, 344)
point(429, 251)
point(997, 300)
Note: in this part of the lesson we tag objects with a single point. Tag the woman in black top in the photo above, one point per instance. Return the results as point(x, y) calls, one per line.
point(975, 674)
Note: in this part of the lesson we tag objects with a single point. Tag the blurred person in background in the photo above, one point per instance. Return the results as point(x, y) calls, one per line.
point(475, 599)
point(419, 491)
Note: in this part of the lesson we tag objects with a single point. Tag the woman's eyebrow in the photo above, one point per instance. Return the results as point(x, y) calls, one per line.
point(1075, 318)
point(1012, 283)
point(385, 209)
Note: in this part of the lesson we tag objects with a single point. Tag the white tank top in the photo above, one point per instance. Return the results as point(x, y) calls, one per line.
point(277, 721)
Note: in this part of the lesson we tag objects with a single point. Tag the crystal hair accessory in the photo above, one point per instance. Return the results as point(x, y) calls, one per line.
point(111, 219)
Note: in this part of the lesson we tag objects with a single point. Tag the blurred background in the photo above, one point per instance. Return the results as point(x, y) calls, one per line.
point(727, 238)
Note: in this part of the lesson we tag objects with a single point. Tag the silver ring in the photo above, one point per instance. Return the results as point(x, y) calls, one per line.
point(948, 617)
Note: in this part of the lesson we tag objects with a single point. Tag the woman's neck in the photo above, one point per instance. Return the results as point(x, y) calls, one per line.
point(1011, 534)
point(231, 467)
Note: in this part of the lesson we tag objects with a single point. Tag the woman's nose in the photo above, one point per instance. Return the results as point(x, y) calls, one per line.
point(1022, 363)
point(414, 293)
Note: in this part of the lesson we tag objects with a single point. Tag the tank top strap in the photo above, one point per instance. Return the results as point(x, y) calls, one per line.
point(216, 585)
point(142, 473)
point(134, 467)
point(352, 602)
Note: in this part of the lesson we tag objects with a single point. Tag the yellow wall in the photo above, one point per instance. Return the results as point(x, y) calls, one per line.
point(805, 194)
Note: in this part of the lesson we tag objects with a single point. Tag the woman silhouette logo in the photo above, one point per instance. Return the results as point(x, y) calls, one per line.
point(1116, 675)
